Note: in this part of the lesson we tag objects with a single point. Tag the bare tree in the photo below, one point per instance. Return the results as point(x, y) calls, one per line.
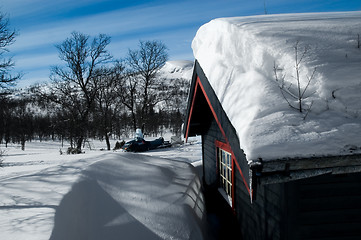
point(111, 83)
point(144, 64)
point(128, 95)
point(290, 93)
point(76, 84)
point(7, 37)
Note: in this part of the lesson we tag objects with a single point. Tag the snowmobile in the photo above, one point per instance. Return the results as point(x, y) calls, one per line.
point(141, 145)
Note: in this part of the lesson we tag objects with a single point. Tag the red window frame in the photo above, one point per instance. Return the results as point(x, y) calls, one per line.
point(226, 147)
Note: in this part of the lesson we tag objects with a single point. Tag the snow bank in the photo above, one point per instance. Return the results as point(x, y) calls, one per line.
point(238, 56)
point(133, 196)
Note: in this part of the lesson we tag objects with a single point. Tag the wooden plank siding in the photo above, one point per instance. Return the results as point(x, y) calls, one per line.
point(265, 217)
point(210, 155)
point(326, 207)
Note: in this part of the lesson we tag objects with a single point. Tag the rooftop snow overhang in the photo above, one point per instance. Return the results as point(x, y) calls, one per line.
point(245, 60)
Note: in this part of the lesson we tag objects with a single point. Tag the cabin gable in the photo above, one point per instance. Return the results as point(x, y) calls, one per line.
point(206, 117)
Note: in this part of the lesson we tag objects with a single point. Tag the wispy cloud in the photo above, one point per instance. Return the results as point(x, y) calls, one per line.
point(44, 23)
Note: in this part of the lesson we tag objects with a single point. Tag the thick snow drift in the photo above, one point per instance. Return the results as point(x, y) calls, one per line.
point(133, 196)
point(239, 56)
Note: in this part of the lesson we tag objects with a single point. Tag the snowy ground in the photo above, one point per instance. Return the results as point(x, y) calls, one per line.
point(33, 183)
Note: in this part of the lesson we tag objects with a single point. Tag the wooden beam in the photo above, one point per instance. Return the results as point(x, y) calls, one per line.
point(311, 163)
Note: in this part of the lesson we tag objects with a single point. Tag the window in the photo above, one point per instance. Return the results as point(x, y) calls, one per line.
point(225, 173)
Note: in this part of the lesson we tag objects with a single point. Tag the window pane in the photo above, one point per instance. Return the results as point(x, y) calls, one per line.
point(225, 170)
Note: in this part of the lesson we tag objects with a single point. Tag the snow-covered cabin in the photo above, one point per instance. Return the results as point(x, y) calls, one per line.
point(277, 100)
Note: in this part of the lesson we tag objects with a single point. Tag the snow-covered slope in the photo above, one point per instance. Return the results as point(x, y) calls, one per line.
point(239, 55)
point(176, 76)
point(177, 69)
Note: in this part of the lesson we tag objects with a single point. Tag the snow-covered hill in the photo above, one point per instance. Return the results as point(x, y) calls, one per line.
point(240, 56)
point(176, 77)
point(178, 69)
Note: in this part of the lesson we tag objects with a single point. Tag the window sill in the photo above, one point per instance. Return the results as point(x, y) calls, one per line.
point(225, 196)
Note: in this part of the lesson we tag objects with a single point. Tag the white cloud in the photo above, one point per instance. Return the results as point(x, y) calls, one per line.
point(35, 61)
point(173, 22)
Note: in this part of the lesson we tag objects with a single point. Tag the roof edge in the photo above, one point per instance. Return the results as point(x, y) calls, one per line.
point(286, 170)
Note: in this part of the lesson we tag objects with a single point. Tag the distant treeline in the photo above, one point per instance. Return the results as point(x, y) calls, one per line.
point(26, 116)
point(94, 96)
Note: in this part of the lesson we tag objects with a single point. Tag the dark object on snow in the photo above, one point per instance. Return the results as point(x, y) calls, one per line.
point(141, 145)
point(72, 150)
point(119, 145)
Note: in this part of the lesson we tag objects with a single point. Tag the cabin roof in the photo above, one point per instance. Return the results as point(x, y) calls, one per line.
point(250, 65)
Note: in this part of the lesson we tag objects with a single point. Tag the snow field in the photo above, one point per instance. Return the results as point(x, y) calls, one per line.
point(33, 183)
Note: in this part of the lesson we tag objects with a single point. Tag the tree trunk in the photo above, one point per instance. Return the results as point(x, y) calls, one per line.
point(107, 141)
point(23, 143)
point(134, 121)
point(79, 142)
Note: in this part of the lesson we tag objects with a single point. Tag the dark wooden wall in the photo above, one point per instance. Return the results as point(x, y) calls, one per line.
point(260, 220)
point(209, 154)
point(326, 207)
point(264, 218)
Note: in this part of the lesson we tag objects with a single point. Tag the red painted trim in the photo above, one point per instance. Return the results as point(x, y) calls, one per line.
point(224, 135)
point(223, 145)
point(210, 106)
point(199, 84)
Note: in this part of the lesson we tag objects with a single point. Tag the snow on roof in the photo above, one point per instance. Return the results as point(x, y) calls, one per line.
point(239, 57)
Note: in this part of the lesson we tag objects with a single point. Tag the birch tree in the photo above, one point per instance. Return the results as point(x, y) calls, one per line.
point(144, 64)
point(75, 84)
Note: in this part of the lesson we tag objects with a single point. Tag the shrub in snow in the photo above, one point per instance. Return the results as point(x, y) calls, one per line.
point(1, 156)
point(72, 150)
point(295, 96)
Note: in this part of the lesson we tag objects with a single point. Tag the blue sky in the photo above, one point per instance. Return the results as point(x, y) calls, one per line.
point(42, 24)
